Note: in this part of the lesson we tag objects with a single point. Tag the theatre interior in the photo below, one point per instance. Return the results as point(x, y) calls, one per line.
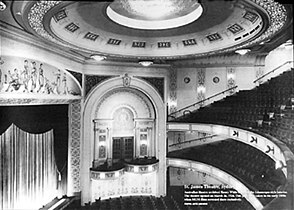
point(146, 104)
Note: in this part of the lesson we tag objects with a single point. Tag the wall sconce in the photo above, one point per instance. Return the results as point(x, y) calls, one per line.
point(230, 76)
point(172, 104)
point(201, 89)
point(102, 143)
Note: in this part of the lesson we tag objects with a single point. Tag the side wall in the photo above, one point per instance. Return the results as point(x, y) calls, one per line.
point(232, 70)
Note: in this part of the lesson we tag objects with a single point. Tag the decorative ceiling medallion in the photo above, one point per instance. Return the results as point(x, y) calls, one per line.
point(154, 14)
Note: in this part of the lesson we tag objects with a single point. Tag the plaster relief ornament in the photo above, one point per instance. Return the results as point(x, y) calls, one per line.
point(126, 81)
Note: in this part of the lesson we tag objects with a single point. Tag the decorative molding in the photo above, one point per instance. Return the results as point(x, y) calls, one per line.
point(276, 12)
point(157, 83)
point(172, 91)
point(122, 90)
point(126, 80)
point(219, 60)
point(130, 168)
point(14, 99)
point(231, 80)
point(201, 85)
point(75, 144)
point(77, 75)
point(93, 80)
point(259, 71)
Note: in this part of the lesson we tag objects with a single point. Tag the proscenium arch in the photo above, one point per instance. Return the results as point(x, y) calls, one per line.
point(88, 135)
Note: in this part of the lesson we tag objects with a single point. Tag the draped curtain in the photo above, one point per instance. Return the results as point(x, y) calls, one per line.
point(28, 172)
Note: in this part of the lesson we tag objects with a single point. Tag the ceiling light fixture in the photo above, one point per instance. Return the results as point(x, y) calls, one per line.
point(145, 63)
point(154, 14)
point(2, 6)
point(242, 51)
point(98, 57)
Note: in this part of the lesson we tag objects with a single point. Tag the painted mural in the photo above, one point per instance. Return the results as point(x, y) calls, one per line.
point(25, 78)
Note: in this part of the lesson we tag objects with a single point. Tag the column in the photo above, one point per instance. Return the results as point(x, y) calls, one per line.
point(149, 141)
point(96, 145)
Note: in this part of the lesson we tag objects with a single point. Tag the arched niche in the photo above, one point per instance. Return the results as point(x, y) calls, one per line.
point(124, 122)
point(144, 103)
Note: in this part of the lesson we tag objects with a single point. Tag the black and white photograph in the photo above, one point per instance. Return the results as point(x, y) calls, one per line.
point(146, 105)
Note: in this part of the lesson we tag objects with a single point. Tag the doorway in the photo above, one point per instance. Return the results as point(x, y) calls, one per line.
point(123, 148)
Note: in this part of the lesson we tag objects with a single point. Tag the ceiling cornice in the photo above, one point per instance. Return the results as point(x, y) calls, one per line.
point(27, 38)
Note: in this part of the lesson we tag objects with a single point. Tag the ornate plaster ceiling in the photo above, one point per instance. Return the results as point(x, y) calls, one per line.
point(221, 26)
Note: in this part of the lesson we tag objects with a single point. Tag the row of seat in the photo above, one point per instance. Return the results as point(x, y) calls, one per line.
point(129, 203)
point(252, 167)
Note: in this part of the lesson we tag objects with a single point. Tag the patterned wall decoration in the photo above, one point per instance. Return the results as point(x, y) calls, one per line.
point(77, 75)
point(259, 71)
point(172, 106)
point(201, 85)
point(74, 146)
point(157, 83)
point(231, 79)
point(93, 80)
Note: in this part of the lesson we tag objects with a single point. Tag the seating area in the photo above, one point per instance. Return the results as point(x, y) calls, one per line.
point(268, 108)
point(255, 169)
point(128, 203)
point(173, 201)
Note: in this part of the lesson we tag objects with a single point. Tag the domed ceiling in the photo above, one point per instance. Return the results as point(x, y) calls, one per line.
point(153, 29)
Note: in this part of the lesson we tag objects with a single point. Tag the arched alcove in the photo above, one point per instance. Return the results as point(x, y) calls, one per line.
point(124, 127)
point(129, 102)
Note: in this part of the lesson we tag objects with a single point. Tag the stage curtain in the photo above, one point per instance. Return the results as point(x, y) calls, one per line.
point(28, 172)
